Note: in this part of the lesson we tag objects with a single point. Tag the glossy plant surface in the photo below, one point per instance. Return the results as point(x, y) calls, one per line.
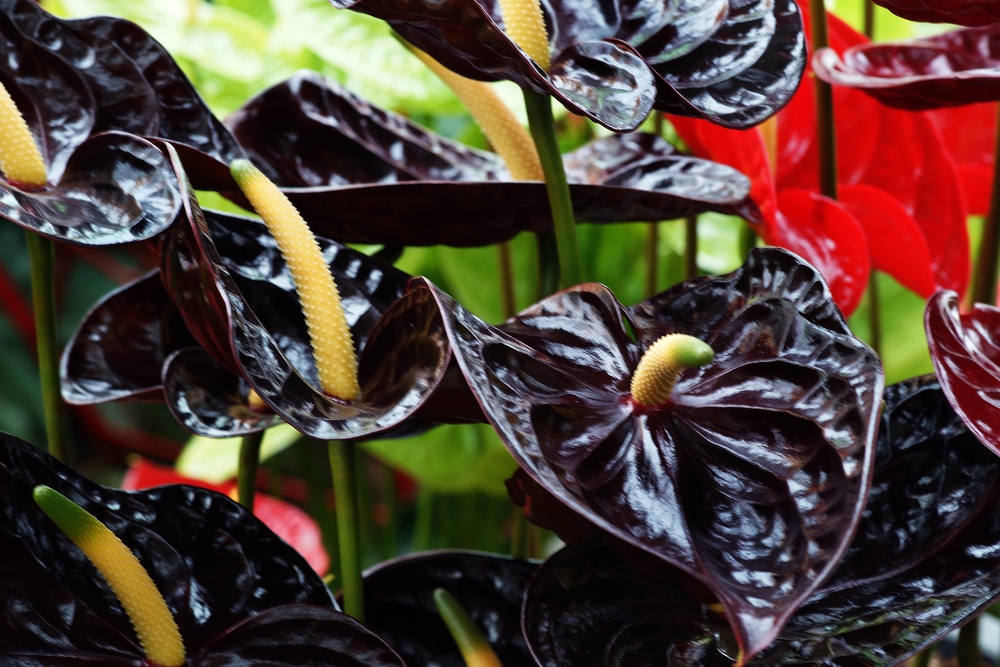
point(909, 576)
point(951, 69)
point(899, 207)
point(965, 351)
point(360, 174)
point(399, 604)
point(962, 12)
point(732, 63)
point(237, 591)
point(752, 478)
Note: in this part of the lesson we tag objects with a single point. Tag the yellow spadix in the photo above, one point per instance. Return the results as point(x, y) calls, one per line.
point(20, 159)
point(146, 608)
point(333, 346)
point(659, 368)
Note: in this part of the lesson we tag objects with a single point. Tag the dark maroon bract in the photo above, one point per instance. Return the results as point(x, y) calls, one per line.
point(962, 12)
point(236, 590)
point(360, 174)
point(924, 561)
point(752, 478)
point(732, 63)
point(950, 69)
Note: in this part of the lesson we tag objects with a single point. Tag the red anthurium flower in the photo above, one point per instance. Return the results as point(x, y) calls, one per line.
point(969, 133)
point(286, 520)
point(900, 211)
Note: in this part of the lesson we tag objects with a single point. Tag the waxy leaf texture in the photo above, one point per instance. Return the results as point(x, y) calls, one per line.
point(733, 63)
point(951, 69)
point(239, 593)
point(751, 478)
point(360, 174)
point(923, 561)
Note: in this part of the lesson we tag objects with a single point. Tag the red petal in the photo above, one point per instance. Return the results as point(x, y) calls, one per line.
point(743, 150)
point(895, 240)
point(826, 235)
point(286, 520)
point(969, 133)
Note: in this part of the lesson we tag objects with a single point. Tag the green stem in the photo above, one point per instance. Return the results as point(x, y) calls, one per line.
point(984, 286)
point(968, 644)
point(869, 29)
point(690, 247)
point(548, 264)
point(543, 131)
point(923, 659)
point(875, 313)
point(246, 473)
point(342, 455)
point(507, 296)
point(423, 528)
point(652, 257)
point(41, 252)
point(824, 108)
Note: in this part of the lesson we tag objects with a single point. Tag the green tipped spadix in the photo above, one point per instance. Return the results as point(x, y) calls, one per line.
point(476, 651)
point(146, 608)
point(333, 347)
point(20, 159)
point(659, 368)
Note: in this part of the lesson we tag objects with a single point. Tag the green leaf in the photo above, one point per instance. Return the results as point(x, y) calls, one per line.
point(450, 459)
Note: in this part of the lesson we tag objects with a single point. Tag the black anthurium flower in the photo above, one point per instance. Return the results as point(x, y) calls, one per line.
point(751, 477)
point(93, 91)
point(239, 594)
point(360, 174)
point(962, 12)
point(733, 63)
point(923, 561)
point(399, 604)
point(405, 360)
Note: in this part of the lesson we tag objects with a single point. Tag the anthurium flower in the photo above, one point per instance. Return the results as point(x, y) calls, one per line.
point(286, 520)
point(750, 477)
point(237, 592)
point(732, 63)
point(969, 134)
point(399, 604)
point(962, 12)
point(923, 561)
point(360, 174)
point(964, 348)
point(953, 68)
point(90, 90)
point(404, 353)
point(899, 207)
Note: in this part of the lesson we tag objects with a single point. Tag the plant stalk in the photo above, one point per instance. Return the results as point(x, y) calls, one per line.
point(923, 659)
point(869, 24)
point(543, 132)
point(968, 644)
point(507, 294)
point(246, 474)
point(342, 457)
point(652, 257)
point(41, 252)
point(875, 313)
point(548, 264)
point(824, 108)
point(690, 247)
point(984, 285)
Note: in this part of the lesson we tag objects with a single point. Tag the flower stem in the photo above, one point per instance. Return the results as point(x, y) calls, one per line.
point(548, 264)
point(652, 258)
point(342, 455)
point(824, 108)
point(246, 474)
point(543, 131)
point(984, 286)
point(41, 252)
point(869, 24)
point(923, 659)
point(507, 295)
point(690, 247)
point(968, 644)
point(875, 313)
